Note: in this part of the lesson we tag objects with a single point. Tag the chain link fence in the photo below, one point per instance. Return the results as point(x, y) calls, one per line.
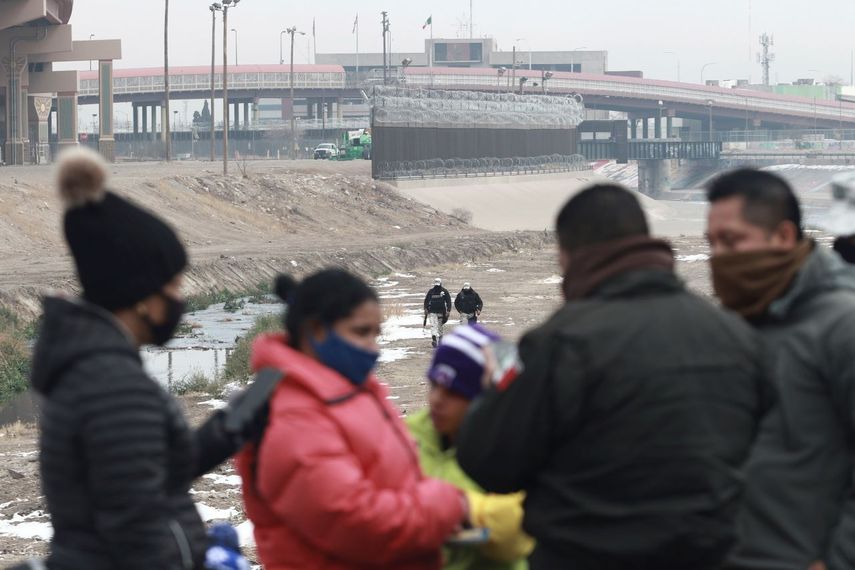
point(479, 167)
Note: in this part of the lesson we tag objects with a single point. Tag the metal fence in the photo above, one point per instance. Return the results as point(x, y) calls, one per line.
point(480, 167)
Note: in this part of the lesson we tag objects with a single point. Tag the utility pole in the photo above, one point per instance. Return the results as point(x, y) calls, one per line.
point(215, 7)
point(471, 22)
point(385, 31)
point(766, 57)
point(167, 135)
point(226, 119)
point(293, 31)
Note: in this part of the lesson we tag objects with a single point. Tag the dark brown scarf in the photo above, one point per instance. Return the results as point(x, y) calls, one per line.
point(590, 266)
point(748, 282)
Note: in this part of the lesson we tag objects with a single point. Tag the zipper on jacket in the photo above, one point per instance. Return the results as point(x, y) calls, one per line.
point(183, 545)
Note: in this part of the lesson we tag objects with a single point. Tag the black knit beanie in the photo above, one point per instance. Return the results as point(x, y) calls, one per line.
point(122, 252)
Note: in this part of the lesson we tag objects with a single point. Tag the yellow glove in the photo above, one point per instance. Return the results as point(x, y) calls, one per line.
point(503, 515)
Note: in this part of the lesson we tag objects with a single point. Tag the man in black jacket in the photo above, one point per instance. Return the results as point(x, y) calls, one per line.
point(117, 457)
point(437, 308)
point(468, 304)
point(635, 407)
point(799, 508)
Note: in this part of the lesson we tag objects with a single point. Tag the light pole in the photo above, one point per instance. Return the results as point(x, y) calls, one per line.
point(91, 36)
point(293, 31)
point(226, 5)
point(166, 136)
point(529, 50)
point(215, 7)
point(94, 124)
point(544, 77)
point(236, 46)
point(659, 124)
point(704, 68)
point(677, 57)
point(281, 57)
point(572, 63)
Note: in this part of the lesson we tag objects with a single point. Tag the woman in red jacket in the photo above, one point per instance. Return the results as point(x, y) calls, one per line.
point(335, 483)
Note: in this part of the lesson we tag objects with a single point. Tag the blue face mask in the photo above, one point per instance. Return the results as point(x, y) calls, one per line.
point(350, 361)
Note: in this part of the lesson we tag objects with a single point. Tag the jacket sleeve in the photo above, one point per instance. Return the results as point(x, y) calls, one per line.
point(841, 346)
point(318, 488)
point(427, 302)
point(457, 303)
point(503, 515)
point(508, 434)
point(124, 436)
point(447, 300)
point(479, 304)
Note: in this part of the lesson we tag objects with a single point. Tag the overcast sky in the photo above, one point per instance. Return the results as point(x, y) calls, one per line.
point(816, 35)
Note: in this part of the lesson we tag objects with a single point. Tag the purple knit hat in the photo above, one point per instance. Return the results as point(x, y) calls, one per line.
point(458, 363)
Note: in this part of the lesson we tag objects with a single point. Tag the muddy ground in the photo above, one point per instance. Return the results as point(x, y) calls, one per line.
point(519, 290)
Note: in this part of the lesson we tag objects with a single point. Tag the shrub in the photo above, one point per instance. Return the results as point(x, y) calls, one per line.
point(237, 364)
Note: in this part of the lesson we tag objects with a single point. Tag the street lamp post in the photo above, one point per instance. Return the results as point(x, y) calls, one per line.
point(281, 57)
point(529, 50)
point(236, 46)
point(215, 7)
point(704, 68)
point(661, 104)
point(677, 57)
point(572, 63)
point(166, 136)
point(293, 31)
point(226, 5)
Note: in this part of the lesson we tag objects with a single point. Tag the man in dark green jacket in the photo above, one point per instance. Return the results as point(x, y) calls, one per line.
point(635, 408)
point(799, 511)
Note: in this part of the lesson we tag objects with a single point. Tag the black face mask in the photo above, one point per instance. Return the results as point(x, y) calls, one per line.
point(163, 333)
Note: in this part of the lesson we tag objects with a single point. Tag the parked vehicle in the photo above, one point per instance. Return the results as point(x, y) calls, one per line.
point(326, 151)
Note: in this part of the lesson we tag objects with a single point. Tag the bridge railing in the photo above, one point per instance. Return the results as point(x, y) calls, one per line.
point(202, 82)
point(740, 100)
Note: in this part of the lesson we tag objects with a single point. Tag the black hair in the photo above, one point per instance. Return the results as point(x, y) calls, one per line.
point(326, 297)
point(769, 199)
point(600, 213)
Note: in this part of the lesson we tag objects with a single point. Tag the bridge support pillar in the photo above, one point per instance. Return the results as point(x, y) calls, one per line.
point(66, 119)
point(669, 126)
point(106, 138)
point(657, 127)
point(654, 177)
point(633, 128)
point(136, 109)
point(16, 109)
point(236, 113)
point(246, 115)
point(339, 111)
point(40, 110)
point(645, 128)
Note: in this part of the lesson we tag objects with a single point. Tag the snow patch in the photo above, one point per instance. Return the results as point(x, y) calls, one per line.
point(404, 276)
point(245, 534)
point(693, 258)
point(495, 270)
point(404, 327)
point(223, 479)
point(209, 514)
point(554, 280)
point(214, 404)
point(394, 354)
point(19, 526)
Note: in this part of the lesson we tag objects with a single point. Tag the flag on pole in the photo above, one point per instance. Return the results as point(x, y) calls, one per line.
point(355, 24)
point(429, 22)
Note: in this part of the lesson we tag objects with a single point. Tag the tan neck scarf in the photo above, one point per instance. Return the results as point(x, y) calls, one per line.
point(749, 282)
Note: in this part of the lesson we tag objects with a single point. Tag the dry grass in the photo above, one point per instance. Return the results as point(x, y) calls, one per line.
point(393, 309)
point(17, 429)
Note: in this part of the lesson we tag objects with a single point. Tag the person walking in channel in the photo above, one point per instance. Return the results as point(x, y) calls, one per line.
point(468, 304)
point(463, 364)
point(799, 508)
point(840, 221)
point(635, 408)
point(437, 308)
point(335, 483)
point(116, 456)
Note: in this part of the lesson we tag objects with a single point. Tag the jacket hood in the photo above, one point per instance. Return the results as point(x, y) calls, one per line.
point(421, 427)
point(72, 330)
point(273, 351)
point(823, 271)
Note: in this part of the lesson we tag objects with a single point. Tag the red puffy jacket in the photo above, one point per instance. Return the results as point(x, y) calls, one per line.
point(335, 484)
